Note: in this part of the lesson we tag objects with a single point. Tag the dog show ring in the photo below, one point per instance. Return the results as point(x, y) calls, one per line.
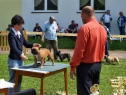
point(47, 70)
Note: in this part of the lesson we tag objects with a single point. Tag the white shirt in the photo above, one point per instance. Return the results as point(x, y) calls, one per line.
point(16, 32)
point(107, 18)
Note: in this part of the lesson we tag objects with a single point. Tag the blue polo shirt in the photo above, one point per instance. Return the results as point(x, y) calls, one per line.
point(50, 30)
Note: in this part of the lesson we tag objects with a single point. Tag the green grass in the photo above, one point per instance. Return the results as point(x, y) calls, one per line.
point(55, 82)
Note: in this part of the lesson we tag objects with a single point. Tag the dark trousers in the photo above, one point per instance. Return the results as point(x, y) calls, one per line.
point(87, 76)
point(122, 30)
point(52, 44)
point(106, 48)
point(107, 25)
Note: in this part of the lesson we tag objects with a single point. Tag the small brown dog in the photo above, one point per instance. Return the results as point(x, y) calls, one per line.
point(40, 54)
point(111, 59)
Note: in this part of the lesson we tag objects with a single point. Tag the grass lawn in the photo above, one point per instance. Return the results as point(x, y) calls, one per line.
point(55, 83)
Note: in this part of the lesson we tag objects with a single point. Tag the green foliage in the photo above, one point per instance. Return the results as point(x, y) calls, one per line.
point(55, 83)
point(69, 43)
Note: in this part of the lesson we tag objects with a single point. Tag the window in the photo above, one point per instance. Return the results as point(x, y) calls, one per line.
point(45, 5)
point(98, 5)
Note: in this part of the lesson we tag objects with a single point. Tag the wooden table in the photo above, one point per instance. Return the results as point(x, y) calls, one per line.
point(4, 90)
point(46, 71)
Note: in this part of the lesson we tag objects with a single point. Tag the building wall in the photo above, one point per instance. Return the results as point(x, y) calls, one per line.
point(68, 11)
point(8, 8)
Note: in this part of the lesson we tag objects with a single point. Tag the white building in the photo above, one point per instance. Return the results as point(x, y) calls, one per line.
point(39, 11)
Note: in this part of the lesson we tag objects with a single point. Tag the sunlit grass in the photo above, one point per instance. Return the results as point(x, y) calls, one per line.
point(55, 83)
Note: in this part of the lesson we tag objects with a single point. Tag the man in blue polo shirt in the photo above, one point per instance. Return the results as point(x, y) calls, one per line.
point(49, 35)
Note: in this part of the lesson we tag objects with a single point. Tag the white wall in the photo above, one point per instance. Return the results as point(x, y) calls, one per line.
point(68, 11)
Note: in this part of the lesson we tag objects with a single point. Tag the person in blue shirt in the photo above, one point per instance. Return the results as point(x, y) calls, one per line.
point(121, 23)
point(49, 35)
point(106, 19)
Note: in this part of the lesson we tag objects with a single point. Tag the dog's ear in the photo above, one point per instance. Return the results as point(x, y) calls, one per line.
point(40, 48)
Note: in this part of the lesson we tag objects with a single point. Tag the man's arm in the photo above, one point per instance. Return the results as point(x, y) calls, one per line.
point(110, 17)
point(102, 18)
point(40, 29)
point(80, 47)
point(74, 29)
point(81, 43)
point(124, 21)
point(34, 29)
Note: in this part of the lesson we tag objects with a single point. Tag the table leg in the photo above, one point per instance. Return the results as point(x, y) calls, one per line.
point(4, 90)
point(66, 80)
point(42, 86)
point(16, 82)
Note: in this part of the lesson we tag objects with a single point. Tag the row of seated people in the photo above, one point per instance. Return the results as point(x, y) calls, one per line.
point(72, 28)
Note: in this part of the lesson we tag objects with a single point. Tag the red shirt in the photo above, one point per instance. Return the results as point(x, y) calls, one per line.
point(90, 44)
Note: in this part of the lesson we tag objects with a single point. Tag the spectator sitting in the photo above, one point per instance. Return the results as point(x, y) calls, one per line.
point(9, 27)
point(72, 28)
point(22, 29)
point(37, 29)
point(60, 29)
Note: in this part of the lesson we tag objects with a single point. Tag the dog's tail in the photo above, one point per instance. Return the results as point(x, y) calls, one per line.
point(117, 60)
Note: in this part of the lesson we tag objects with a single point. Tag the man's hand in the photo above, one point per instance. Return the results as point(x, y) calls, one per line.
point(37, 45)
point(23, 57)
point(72, 74)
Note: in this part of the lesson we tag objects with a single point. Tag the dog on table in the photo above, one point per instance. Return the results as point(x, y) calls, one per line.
point(40, 54)
point(111, 59)
point(63, 56)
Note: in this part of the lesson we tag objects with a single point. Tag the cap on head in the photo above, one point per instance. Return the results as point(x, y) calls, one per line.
point(52, 18)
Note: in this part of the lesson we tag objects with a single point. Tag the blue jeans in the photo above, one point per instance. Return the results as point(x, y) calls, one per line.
point(11, 64)
point(122, 30)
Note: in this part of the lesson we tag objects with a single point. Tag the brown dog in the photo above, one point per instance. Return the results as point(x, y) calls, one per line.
point(40, 54)
point(111, 59)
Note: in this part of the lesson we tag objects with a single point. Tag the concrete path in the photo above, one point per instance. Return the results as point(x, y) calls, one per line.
point(120, 54)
